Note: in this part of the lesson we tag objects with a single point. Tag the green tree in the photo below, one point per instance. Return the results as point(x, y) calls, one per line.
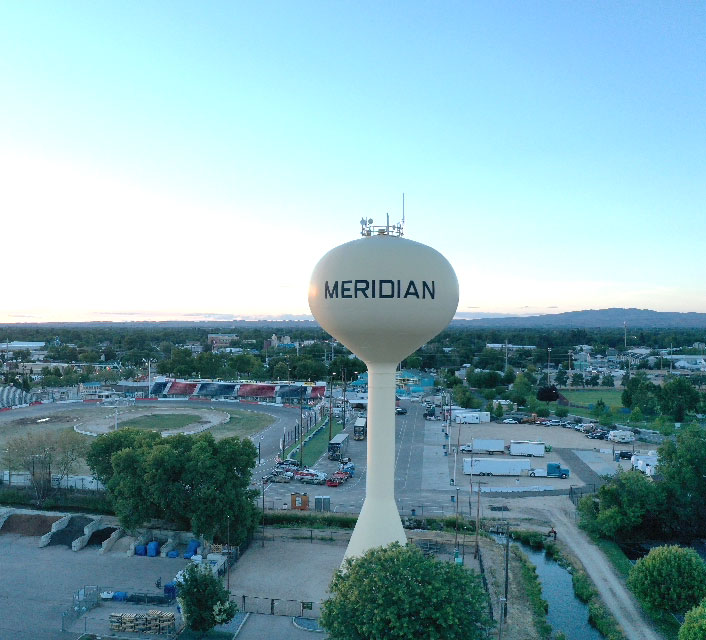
point(522, 385)
point(694, 627)
point(413, 362)
point(607, 380)
point(627, 503)
point(577, 380)
point(280, 371)
point(669, 578)
point(561, 412)
point(677, 396)
point(397, 593)
point(681, 465)
point(464, 398)
point(594, 380)
point(194, 482)
point(561, 378)
point(203, 599)
point(636, 416)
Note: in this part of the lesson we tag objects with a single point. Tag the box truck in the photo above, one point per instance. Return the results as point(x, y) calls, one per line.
point(526, 448)
point(553, 470)
point(495, 466)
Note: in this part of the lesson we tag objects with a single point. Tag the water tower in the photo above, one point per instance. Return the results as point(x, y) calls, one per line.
point(383, 297)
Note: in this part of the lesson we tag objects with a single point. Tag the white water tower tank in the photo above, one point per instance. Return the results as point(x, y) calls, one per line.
point(383, 297)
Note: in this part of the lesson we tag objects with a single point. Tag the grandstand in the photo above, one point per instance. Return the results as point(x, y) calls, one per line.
point(257, 391)
point(253, 391)
point(216, 389)
point(179, 388)
point(13, 397)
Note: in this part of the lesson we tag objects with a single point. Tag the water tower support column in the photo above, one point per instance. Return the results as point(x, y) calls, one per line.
point(379, 522)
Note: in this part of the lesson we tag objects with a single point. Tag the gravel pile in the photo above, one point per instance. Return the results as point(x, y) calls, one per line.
point(72, 531)
point(29, 525)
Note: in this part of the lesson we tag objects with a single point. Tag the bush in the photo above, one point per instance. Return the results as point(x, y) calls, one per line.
point(669, 578)
point(694, 627)
point(583, 589)
point(310, 520)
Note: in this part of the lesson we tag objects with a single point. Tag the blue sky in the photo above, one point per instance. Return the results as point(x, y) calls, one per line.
point(165, 160)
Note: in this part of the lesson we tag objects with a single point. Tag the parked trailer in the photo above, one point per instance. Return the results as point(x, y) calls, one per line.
point(553, 470)
point(526, 448)
point(338, 446)
point(621, 436)
point(360, 429)
point(472, 417)
point(495, 466)
point(488, 444)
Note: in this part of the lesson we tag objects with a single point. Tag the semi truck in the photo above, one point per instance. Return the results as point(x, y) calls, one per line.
point(553, 470)
point(495, 466)
point(526, 448)
point(338, 446)
point(360, 429)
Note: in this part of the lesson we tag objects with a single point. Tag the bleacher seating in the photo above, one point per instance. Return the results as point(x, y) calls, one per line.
point(318, 392)
point(256, 391)
point(216, 389)
point(158, 388)
point(179, 388)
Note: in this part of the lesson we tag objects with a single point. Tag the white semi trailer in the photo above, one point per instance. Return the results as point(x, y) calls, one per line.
point(526, 448)
point(495, 466)
point(489, 445)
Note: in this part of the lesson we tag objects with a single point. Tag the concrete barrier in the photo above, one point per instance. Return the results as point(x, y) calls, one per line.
point(108, 543)
point(4, 515)
point(168, 546)
point(60, 524)
point(88, 531)
point(143, 538)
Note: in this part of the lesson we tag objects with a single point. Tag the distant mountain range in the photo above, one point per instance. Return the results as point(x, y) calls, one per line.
point(587, 319)
point(594, 319)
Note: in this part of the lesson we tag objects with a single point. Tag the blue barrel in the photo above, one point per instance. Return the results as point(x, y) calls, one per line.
point(140, 550)
point(153, 549)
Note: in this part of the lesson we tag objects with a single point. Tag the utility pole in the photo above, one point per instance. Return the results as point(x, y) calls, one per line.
point(507, 562)
point(549, 362)
point(477, 550)
point(343, 373)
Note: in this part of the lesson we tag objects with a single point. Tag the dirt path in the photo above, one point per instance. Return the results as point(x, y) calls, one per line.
point(560, 512)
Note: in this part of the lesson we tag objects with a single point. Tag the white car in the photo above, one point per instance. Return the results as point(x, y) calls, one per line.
point(466, 448)
point(510, 421)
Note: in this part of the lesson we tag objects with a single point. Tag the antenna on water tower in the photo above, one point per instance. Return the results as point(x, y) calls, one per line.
point(383, 297)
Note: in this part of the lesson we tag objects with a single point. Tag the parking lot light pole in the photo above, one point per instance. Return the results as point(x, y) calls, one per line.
point(301, 431)
point(456, 535)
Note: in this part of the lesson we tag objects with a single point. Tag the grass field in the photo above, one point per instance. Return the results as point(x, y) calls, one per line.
point(317, 445)
point(160, 422)
point(241, 424)
point(611, 397)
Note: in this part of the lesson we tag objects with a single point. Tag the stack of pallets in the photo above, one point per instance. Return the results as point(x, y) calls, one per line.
point(153, 622)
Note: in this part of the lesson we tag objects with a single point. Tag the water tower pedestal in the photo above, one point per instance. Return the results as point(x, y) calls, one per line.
point(379, 521)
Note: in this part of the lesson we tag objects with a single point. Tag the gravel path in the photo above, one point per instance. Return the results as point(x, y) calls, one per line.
point(560, 512)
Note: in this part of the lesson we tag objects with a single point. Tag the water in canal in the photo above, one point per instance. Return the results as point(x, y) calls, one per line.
point(566, 612)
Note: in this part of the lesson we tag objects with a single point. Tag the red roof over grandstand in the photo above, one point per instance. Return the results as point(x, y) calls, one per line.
point(181, 388)
point(256, 391)
point(318, 392)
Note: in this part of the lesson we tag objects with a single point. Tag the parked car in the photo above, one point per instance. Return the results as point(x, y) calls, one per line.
point(509, 421)
point(400, 411)
point(288, 462)
point(466, 448)
point(625, 455)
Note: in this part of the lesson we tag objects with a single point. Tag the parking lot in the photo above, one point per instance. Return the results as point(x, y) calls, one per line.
point(428, 468)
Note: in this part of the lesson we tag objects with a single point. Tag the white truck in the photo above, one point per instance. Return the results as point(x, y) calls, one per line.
point(495, 467)
point(527, 448)
point(621, 436)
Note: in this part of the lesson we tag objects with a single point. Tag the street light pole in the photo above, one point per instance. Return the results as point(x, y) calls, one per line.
point(330, 408)
point(477, 549)
point(301, 430)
